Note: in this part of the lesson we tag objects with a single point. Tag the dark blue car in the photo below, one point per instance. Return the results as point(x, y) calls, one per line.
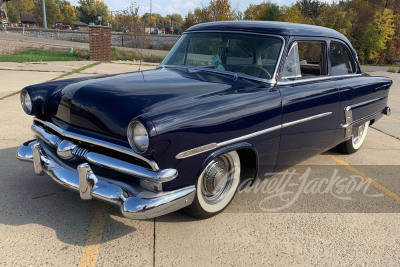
point(232, 100)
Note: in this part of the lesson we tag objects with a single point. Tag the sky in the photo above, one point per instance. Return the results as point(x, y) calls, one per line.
point(182, 7)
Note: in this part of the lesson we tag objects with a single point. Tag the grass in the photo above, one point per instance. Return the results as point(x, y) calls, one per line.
point(392, 69)
point(32, 55)
point(119, 54)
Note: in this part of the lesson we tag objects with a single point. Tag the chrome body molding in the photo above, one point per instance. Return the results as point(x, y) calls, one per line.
point(67, 150)
point(212, 146)
point(348, 115)
point(323, 78)
point(135, 203)
point(89, 140)
point(349, 123)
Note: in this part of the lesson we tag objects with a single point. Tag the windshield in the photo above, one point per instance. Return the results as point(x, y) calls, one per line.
point(253, 55)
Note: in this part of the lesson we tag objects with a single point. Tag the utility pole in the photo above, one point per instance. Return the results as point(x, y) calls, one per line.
point(44, 14)
point(151, 7)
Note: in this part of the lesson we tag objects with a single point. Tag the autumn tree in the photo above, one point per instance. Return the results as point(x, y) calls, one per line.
point(291, 14)
point(89, 9)
point(379, 31)
point(53, 12)
point(220, 10)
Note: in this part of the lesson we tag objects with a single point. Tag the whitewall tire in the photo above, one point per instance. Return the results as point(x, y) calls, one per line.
point(216, 186)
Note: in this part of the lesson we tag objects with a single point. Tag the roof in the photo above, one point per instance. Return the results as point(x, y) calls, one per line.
point(271, 27)
point(27, 18)
point(79, 23)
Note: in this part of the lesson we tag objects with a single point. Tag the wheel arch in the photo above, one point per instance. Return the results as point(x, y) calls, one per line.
point(248, 159)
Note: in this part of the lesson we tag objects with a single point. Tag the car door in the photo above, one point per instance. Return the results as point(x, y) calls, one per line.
point(361, 97)
point(310, 102)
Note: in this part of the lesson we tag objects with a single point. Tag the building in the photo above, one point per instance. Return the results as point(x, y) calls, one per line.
point(78, 25)
point(28, 19)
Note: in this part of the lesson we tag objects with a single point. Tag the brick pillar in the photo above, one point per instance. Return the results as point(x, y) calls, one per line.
point(100, 43)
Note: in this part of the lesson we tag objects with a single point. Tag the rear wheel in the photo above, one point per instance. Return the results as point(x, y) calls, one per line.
point(353, 145)
point(216, 186)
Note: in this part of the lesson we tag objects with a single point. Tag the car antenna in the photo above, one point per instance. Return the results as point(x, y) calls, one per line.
point(141, 48)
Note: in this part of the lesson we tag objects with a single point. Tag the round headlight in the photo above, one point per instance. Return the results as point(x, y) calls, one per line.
point(138, 137)
point(26, 102)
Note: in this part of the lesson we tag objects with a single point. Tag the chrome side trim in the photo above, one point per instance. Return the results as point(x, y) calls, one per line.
point(318, 79)
point(101, 160)
point(93, 141)
point(287, 124)
point(362, 119)
point(361, 104)
point(134, 205)
point(208, 147)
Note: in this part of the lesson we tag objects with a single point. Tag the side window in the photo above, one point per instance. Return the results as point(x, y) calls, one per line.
point(239, 53)
point(291, 70)
point(341, 60)
point(305, 60)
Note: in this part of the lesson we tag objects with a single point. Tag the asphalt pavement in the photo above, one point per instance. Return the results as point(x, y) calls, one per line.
point(350, 221)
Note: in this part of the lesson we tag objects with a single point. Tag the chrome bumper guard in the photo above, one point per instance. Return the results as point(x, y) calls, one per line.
point(140, 206)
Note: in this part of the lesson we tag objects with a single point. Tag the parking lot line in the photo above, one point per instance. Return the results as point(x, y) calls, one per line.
point(90, 251)
point(366, 178)
point(393, 119)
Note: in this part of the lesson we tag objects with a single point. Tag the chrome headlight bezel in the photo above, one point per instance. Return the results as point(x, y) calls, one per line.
point(138, 136)
point(26, 102)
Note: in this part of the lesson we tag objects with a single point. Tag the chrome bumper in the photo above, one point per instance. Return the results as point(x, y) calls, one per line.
point(134, 204)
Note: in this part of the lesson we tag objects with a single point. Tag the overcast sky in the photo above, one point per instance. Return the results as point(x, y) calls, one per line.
point(164, 7)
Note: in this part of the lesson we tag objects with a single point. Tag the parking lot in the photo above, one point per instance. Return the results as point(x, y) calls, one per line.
point(304, 222)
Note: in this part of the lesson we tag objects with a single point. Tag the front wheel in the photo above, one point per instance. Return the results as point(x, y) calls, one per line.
point(353, 145)
point(216, 186)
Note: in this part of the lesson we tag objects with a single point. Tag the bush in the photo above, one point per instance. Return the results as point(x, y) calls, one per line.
point(392, 69)
point(119, 54)
point(153, 58)
point(84, 54)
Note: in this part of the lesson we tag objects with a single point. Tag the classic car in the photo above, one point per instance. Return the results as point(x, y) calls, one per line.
point(231, 101)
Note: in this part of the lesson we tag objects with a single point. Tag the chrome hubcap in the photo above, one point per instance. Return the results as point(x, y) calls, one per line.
point(217, 179)
point(358, 134)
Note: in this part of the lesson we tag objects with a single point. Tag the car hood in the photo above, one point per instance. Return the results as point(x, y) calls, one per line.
point(108, 104)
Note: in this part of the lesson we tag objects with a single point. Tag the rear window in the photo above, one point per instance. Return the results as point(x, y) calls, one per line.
point(341, 59)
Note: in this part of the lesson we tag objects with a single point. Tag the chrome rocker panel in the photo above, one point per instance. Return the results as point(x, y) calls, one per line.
point(139, 206)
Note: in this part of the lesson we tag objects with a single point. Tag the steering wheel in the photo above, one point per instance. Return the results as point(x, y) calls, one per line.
point(257, 71)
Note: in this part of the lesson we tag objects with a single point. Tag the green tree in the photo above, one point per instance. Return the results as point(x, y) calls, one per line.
point(88, 10)
point(272, 13)
point(12, 13)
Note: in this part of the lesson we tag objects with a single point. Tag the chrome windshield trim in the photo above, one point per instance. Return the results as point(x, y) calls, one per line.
point(318, 79)
point(278, 61)
point(97, 142)
point(212, 146)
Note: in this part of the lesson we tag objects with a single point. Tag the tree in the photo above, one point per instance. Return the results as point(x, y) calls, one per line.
point(23, 6)
point(221, 10)
point(13, 14)
point(378, 33)
point(336, 17)
point(53, 12)
point(189, 21)
point(310, 8)
point(272, 13)
point(262, 11)
point(69, 15)
point(291, 14)
point(88, 10)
